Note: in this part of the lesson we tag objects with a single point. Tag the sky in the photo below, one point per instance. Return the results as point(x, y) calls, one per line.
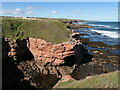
point(100, 11)
point(60, 0)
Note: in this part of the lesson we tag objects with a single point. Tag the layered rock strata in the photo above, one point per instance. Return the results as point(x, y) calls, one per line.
point(48, 58)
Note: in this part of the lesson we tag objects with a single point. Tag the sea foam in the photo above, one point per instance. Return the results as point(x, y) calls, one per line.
point(112, 34)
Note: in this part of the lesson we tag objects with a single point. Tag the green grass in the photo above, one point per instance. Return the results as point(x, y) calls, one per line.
point(103, 81)
point(50, 30)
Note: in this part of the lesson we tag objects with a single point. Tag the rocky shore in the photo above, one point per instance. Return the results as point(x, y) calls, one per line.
point(36, 63)
point(71, 25)
point(103, 60)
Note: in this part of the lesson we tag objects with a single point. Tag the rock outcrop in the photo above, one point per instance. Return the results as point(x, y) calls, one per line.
point(5, 48)
point(48, 59)
point(77, 26)
point(47, 52)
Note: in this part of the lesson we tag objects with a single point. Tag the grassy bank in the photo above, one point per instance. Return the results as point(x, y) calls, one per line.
point(50, 30)
point(109, 80)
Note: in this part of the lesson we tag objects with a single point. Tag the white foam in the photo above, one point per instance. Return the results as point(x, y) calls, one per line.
point(106, 26)
point(112, 34)
point(116, 28)
point(92, 24)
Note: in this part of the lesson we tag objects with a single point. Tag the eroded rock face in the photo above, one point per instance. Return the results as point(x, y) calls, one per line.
point(49, 59)
point(48, 55)
point(16, 50)
point(48, 52)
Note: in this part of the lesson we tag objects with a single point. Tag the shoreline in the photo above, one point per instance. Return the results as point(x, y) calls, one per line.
point(96, 58)
point(103, 60)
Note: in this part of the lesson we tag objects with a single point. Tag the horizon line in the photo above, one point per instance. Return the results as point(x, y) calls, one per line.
point(60, 18)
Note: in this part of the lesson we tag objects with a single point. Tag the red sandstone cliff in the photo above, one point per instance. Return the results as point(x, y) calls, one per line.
point(48, 58)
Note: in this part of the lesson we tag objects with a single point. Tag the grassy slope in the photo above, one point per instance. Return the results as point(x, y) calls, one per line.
point(103, 81)
point(50, 30)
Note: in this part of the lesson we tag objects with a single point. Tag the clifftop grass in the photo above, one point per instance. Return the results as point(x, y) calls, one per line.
point(110, 80)
point(50, 30)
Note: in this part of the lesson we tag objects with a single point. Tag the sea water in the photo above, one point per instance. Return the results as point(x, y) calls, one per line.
point(109, 32)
